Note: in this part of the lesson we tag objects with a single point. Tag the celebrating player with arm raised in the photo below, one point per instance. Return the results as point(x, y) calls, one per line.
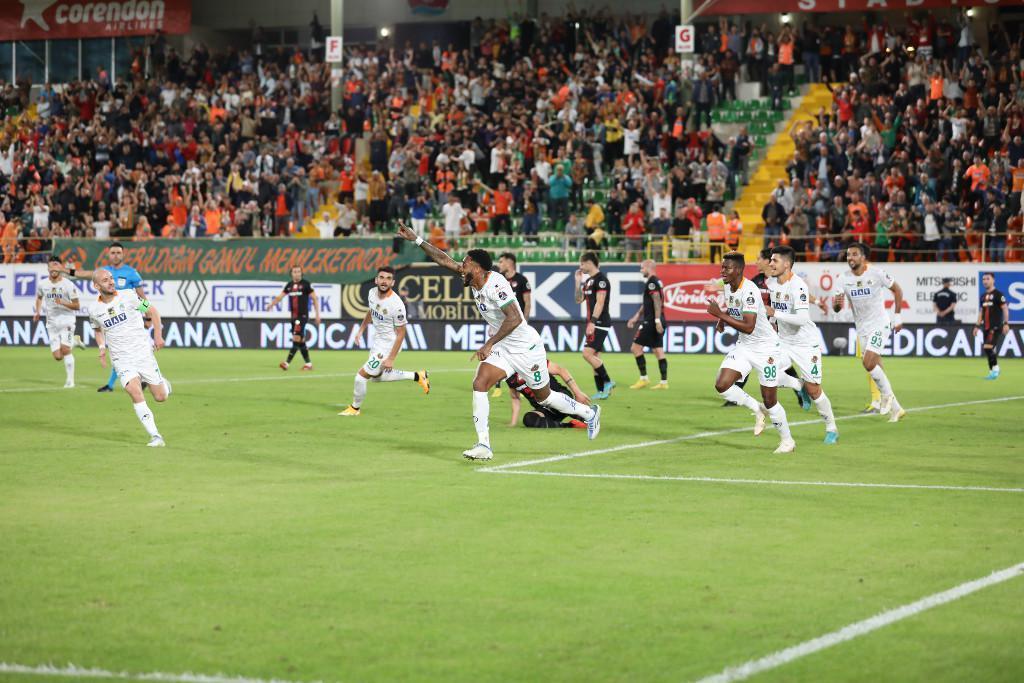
point(387, 311)
point(757, 348)
point(513, 346)
point(117, 318)
point(864, 285)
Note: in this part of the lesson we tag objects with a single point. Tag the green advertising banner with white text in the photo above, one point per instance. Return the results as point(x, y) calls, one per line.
point(343, 260)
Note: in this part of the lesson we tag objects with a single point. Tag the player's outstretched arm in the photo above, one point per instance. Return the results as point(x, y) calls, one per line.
point(362, 328)
point(436, 255)
point(158, 328)
point(101, 344)
point(570, 381)
point(39, 303)
point(389, 362)
point(514, 395)
point(275, 301)
point(316, 306)
point(897, 306)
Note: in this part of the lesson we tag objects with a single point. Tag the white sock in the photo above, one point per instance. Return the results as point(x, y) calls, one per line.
point(145, 416)
point(395, 376)
point(790, 382)
point(358, 391)
point(167, 386)
point(642, 377)
point(737, 395)
point(69, 367)
point(995, 367)
point(881, 381)
point(481, 413)
point(777, 414)
point(824, 407)
point(556, 400)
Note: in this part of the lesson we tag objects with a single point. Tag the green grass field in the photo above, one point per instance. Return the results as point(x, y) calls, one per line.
point(273, 539)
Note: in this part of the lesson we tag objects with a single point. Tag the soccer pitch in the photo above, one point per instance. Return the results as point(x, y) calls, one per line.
point(272, 539)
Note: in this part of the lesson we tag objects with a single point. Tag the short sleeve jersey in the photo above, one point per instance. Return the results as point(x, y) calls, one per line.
point(652, 287)
point(792, 297)
point(122, 324)
point(388, 314)
point(747, 299)
point(125, 277)
point(598, 283)
point(944, 298)
point(520, 285)
point(298, 298)
point(491, 300)
point(992, 309)
point(49, 291)
point(866, 293)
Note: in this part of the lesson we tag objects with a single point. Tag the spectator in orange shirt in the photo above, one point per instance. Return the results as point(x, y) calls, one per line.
point(633, 227)
point(717, 231)
point(979, 174)
point(501, 208)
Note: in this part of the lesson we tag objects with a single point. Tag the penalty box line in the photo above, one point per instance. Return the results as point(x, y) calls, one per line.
point(517, 467)
point(860, 628)
point(80, 673)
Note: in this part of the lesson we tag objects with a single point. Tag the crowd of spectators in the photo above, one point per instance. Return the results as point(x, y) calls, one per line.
point(505, 134)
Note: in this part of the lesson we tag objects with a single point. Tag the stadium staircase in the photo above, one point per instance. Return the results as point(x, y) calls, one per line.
point(773, 168)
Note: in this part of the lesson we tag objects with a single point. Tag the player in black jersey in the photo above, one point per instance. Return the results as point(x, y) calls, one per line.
point(299, 293)
point(650, 330)
point(541, 416)
point(759, 280)
point(597, 293)
point(993, 322)
point(521, 286)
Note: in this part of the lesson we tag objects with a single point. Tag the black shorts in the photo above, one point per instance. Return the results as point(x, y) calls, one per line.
point(299, 326)
point(994, 337)
point(647, 335)
point(596, 341)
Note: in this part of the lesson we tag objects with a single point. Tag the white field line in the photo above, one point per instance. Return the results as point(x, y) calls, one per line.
point(860, 628)
point(77, 672)
point(703, 435)
point(765, 482)
point(227, 380)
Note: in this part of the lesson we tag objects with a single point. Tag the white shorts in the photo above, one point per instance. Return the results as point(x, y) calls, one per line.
point(61, 334)
point(531, 364)
point(808, 360)
point(873, 339)
point(142, 366)
point(374, 365)
point(769, 363)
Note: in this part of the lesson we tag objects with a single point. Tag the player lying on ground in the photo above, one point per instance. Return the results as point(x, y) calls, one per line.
point(541, 417)
point(118, 319)
point(864, 285)
point(61, 299)
point(512, 346)
point(387, 312)
point(757, 348)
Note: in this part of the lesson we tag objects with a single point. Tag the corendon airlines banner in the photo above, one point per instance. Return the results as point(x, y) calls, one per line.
point(758, 6)
point(42, 19)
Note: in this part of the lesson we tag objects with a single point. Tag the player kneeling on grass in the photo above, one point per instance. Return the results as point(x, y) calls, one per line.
point(118, 319)
point(387, 312)
point(61, 300)
point(757, 348)
point(512, 347)
point(542, 417)
point(790, 306)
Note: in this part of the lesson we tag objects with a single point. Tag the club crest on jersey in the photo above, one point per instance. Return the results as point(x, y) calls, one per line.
point(502, 295)
point(535, 368)
point(750, 300)
point(771, 361)
point(814, 359)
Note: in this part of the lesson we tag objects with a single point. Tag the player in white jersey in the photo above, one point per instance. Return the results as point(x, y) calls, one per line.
point(387, 313)
point(513, 346)
point(864, 285)
point(790, 306)
point(117, 316)
point(61, 300)
point(757, 348)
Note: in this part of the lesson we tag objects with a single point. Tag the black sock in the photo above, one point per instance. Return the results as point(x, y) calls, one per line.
point(598, 381)
point(291, 353)
point(993, 360)
point(641, 364)
point(742, 382)
point(305, 351)
point(416, 378)
point(604, 374)
point(663, 368)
